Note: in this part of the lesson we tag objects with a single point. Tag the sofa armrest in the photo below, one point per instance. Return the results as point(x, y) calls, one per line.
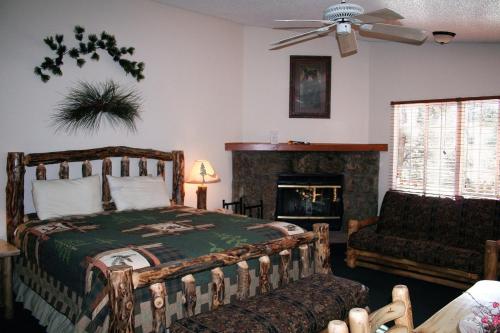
point(355, 225)
point(491, 250)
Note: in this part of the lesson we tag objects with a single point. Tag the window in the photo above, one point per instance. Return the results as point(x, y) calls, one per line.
point(447, 147)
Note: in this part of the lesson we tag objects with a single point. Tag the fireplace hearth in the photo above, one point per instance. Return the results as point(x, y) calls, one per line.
point(305, 199)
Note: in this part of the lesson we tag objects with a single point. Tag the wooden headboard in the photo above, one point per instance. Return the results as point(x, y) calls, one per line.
point(17, 163)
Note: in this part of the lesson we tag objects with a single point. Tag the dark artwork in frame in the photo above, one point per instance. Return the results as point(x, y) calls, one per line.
point(310, 86)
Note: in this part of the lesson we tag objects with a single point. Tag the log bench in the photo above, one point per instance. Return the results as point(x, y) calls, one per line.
point(453, 242)
point(306, 305)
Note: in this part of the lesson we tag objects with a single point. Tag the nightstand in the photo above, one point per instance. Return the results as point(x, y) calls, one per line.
point(7, 251)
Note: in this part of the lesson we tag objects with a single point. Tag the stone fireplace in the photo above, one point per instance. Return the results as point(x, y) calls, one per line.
point(257, 167)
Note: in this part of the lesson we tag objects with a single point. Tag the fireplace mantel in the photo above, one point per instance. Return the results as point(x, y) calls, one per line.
point(311, 147)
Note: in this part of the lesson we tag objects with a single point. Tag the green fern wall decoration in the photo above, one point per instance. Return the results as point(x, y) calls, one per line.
point(87, 45)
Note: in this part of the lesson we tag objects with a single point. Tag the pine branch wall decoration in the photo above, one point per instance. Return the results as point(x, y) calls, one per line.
point(87, 105)
point(87, 45)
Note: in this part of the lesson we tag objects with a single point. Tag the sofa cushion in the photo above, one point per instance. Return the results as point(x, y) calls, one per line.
point(426, 252)
point(437, 254)
point(419, 223)
point(392, 213)
point(306, 305)
point(478, 222)
point(447, 220)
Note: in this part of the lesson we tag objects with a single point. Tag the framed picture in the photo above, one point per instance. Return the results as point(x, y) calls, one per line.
point(310, 86)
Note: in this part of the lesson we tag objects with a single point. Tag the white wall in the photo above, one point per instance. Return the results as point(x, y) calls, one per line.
point(192, 91)
point(266, 94)
point(405, 72)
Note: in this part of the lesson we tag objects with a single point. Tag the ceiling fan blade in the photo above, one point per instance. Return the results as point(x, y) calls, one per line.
point(320, 31)
point(402, 34)
point(347, 43)
point(306, 21)
point(377, 16)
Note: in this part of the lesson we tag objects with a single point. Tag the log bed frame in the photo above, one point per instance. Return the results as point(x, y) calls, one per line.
point(122, 279)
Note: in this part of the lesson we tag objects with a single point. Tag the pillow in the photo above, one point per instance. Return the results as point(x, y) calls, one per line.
point(141, 192)
point(63, 197)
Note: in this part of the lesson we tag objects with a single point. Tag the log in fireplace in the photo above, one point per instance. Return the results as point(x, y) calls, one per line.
point(305, 199)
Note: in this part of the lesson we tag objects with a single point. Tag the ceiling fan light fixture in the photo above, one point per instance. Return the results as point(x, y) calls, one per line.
point(343, 28)
point(443, 37)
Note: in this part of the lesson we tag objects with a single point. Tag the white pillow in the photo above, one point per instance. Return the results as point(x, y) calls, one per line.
point(141, 192)
point(64, 197)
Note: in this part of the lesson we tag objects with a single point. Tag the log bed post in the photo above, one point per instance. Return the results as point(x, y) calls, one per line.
point(265, 266)
point(217, 288)
point(322, 248)
point(121, 299)
point(14, 192)
point(143, 166)
point(491, 259)
point(284, 267)
point(107, 168)
point(64, 170)
point(86, 169)
point(189, 294)
point(305, 261)
point(244, 280)
point(160, 169)
point(41, 172)
point(178, 177)
point(158, 303)
point(125, 167)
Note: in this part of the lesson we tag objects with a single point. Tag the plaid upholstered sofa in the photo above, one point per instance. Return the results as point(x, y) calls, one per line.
point(453, 242)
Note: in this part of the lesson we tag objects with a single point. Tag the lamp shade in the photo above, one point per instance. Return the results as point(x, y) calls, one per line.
point(202, 172)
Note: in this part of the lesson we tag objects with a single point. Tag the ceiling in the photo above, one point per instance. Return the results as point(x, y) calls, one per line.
point(471, 20)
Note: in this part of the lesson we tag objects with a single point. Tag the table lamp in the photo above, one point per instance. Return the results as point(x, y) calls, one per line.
point(202, 173)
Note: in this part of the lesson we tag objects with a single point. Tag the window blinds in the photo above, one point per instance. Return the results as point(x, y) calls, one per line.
point(447, 147)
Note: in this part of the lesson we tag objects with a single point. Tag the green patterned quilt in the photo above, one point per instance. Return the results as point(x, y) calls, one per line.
point(65, 260)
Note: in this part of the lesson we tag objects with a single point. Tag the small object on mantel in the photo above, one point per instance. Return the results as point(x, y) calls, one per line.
point(7, 251)
point(292, 142)
point(341, 147)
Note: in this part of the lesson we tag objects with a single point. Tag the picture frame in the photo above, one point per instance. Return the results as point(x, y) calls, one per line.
point(310, 86)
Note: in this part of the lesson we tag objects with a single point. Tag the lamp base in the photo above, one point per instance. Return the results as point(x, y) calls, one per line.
point(201, 195)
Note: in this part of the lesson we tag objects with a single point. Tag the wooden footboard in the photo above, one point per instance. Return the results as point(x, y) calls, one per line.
point(122, 280)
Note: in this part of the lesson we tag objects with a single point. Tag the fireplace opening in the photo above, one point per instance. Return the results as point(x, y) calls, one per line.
point(305, 199)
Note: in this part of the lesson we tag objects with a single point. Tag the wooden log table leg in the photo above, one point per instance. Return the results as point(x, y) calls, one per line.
point(7, 287)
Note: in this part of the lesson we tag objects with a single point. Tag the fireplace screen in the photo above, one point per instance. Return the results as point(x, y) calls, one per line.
point(305, 199)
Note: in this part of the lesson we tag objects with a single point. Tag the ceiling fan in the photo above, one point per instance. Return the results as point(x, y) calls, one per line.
point(345, 18)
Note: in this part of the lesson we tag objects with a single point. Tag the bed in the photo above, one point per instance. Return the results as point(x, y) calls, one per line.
point(140, 270)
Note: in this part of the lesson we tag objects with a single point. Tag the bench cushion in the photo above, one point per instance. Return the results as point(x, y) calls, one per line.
point(306, 305)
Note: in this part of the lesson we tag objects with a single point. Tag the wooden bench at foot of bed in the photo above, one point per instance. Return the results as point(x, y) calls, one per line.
point(306, 305)
point(333, 296)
